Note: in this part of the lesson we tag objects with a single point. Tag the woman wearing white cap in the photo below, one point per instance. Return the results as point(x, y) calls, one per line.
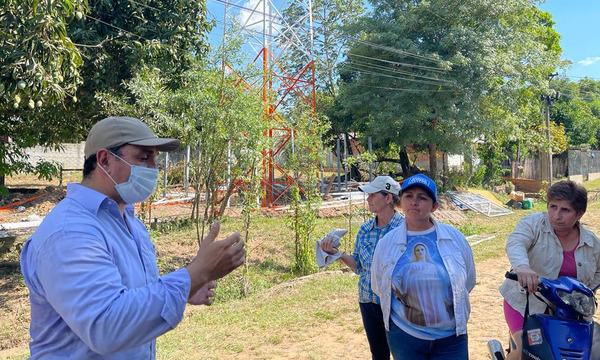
point(383, 196)
point(423, 272)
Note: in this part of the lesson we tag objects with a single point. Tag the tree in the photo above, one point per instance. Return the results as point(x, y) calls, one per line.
point(221, 122)
point(61, 54)
point(329, 37)
point(304, 160)
point(577, 110)
point(39, 61)
point(426, 73)
point(39, 66)
point(120, 37)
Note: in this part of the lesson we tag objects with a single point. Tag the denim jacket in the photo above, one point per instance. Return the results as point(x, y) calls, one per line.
point(534, 243)
point(456, 255)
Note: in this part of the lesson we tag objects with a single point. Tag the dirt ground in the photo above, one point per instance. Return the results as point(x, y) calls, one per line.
point(486, 321)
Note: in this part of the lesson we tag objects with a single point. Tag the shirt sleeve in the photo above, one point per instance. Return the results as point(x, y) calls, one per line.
point(519, 242)
point(83, 285)
point(470, 264)
point(355, 255)
point(596, 254)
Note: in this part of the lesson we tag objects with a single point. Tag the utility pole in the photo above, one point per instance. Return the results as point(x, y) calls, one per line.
point(548, 101)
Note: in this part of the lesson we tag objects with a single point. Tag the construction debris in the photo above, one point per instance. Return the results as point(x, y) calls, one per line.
point(477, 239)
point(478, 203)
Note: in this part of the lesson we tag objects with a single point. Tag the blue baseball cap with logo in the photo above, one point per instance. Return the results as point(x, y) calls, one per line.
point(423, 182)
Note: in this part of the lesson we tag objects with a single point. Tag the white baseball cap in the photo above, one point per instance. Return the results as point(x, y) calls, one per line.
point(381, 183)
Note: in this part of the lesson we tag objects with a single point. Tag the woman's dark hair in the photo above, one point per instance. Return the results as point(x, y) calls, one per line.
point(569, 190)
point(90, 163)
point(395, 197)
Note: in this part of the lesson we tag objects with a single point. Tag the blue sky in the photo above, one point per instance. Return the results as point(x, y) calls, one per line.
point(578, 23)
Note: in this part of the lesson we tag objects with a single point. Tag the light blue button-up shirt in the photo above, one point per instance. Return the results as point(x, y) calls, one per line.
point(93, 283)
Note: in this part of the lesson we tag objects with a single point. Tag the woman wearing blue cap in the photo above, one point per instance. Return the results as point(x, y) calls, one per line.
point(423, 272)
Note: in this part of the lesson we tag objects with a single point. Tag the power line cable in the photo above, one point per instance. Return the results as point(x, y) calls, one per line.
point(397, 71)
point(422, 67)
point(145, 5)
point(229, 3)
point(259, 12)
point(583, 96)
point(116, 27)
point(398, 51)
point(404, 89)
point(580, 77)
point(281, 18)
point(398, 77)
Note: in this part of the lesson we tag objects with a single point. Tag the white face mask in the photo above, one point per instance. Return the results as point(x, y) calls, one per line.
point(140, 185)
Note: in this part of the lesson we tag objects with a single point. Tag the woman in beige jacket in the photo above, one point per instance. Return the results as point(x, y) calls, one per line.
point(549, 245)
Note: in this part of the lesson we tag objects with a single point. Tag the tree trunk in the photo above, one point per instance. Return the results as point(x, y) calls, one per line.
point(433, 151)
point(353, 172)
point(433, 160)
point(404, 162)
point(445, 169)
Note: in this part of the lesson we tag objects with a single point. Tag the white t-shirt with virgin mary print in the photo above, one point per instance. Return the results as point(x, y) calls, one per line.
point(422, 294)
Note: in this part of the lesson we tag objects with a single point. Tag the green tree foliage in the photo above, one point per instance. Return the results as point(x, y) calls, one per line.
point(432, 74)
point(58, 55)
point(329, 38)
point(39, 60)
point(221, 122)
point(39, 66)
point(119, 37)
point(578, 110)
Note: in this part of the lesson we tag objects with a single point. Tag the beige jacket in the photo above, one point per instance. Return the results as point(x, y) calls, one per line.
point(534, 243)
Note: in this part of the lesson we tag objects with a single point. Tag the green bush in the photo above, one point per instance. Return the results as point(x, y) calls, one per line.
point(176, 174)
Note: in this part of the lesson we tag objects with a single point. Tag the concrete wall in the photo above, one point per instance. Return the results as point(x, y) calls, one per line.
point(71, 156)
point(577, 178)
point(593, 176)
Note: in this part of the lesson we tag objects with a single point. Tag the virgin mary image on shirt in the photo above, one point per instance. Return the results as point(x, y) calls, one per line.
point(421, 285)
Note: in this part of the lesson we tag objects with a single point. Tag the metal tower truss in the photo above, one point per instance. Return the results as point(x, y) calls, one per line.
point(267, 34)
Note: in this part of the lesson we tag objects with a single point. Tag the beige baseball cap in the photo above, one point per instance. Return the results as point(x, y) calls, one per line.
point(120, 130)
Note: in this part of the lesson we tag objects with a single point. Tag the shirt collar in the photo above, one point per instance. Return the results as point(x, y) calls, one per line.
point(394, 221)
point(584, 237)
point(91, 199)
point(441, 232)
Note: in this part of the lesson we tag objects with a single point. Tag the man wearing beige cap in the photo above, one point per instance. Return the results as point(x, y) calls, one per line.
point(90, 266)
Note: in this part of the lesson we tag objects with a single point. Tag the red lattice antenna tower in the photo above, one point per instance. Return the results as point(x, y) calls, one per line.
point(270, 37)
